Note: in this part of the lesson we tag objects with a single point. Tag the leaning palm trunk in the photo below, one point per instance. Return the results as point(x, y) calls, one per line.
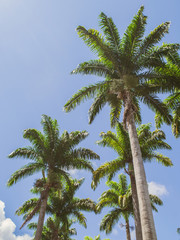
point(137, 219)
point(128, 236)
point(42, 212)
point(147, 222)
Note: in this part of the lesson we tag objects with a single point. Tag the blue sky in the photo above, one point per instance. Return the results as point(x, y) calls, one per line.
point(39, 47)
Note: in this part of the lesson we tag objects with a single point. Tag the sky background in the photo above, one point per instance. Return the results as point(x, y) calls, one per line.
point(39, 47)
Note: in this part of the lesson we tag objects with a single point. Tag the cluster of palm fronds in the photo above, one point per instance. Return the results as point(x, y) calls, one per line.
point(134, 70)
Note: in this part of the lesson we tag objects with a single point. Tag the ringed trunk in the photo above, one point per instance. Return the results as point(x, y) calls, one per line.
point(137, 219)
point(146, 216)
point(41, 215)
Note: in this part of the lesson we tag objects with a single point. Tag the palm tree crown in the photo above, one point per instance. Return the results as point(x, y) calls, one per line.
point(119, 142)
point(119, 197)
point(53, 155)
point(127, 65)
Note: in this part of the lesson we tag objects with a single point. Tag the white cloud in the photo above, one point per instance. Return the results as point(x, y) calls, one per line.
point(157, 189)
point(7, 227)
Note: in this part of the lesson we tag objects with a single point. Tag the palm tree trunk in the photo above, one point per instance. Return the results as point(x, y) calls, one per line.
point(147, 222)
point(137, 219)
point(42, 212)
point(128, 235)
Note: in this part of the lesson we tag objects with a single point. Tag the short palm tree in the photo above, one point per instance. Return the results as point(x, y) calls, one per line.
point(53, 155)
point(50, 231)
point(119, 142)
point(119, 197)
point(127, 64)
point(63, 206)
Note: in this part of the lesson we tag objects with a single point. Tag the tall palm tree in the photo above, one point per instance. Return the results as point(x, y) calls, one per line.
point(119, 197)
point(127, 64)
point(53, 155)
point(119, 142)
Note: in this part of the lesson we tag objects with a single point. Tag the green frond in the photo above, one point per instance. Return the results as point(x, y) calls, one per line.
point(110, 220)
point(110, 140)
point(110, 31)
point(23, 172)
point(154, 37)
point(81, 218)
point(95, 41)
point(84, 94)
point(115, 109)
point(96, 107)
point(27, 206)
point(157, 106)
point(78, 163)
point(155, 201)
point(75, 137)
point(36, 138)
point(105, 170)
point(123, 186)
point(27, 153)
point(95, 67)
point(163, 160)
point(51, 129)
point(133, 34)
point(84, 153)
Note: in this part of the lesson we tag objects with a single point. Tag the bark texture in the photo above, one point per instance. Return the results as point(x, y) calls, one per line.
point(147, 221)
point(128, 235)
point(41, 215)
point(137, 219)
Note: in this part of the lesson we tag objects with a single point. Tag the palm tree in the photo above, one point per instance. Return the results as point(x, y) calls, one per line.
point(63, 207)
point(53, 155)
point(127, 64)
point(119, 142)
point(119, 197)
point(50, 230)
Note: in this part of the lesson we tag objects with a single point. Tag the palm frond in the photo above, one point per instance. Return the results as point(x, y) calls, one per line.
point(84, 94)
point(110, 31)
point(23, 172)
point(105, 170)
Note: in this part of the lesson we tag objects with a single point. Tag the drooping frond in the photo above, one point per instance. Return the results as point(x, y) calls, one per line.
point(155, 201)
point(95, 67)
point(84, 153)
point(98, 104)
point(27, 153)
point(23, 172)
point(36, 138)
point(110, 220)
point(106, 169)
point(84, 94)
point(157, 106)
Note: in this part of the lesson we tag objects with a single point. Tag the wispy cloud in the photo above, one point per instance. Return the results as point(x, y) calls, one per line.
point(157, 189)
point(7, 227)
